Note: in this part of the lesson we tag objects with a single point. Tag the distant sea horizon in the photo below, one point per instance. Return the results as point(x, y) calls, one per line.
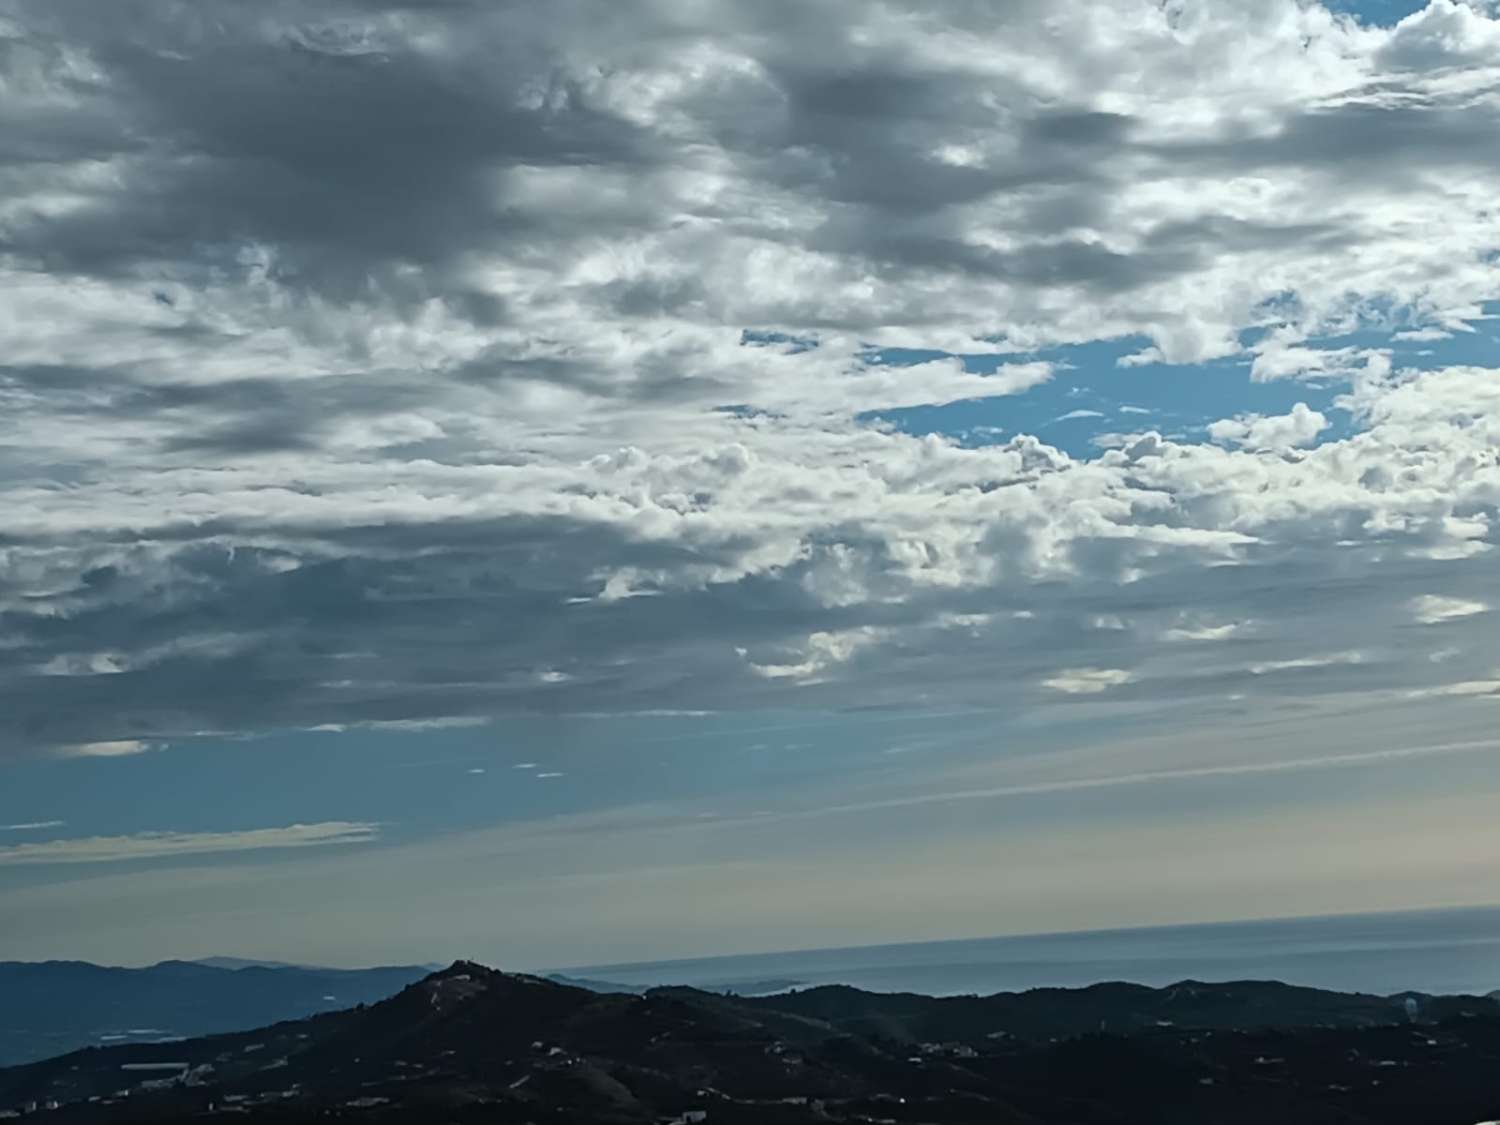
point(1446, 950)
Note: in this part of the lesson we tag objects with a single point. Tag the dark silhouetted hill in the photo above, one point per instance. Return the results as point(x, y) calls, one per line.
point(469, 1044)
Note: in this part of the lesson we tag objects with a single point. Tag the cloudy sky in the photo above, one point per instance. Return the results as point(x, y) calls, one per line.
point(586, 481)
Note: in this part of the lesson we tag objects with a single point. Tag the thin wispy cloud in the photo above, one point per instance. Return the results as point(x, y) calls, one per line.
point(446, 722)
point(1203, 631)
point(118, 748)
point(1156, 777)
point(167, 845)
point(1306, 663)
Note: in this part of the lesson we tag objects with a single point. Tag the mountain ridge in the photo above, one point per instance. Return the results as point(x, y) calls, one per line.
point(473, 1043)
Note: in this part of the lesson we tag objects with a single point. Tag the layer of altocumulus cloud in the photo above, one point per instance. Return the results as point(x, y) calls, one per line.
point(159, 845)
point(378, 362)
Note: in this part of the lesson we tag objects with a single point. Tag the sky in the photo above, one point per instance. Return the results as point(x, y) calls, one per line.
point(586, 482)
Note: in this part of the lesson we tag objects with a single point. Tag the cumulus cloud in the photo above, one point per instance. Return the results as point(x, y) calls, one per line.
point(1281, 432)
point(1445, 33)
point(365, 356)
point(161, 845)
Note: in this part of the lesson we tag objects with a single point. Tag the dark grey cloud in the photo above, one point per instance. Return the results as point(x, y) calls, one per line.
point(1432, 133)
point(349, 163)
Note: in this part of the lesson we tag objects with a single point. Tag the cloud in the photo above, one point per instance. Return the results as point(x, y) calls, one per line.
point(364, 357)
point(1464, 688)
point(440, 722)
point(783, 536)
point(1074, 415)
point(820, 653)
point(1203, 631)
point(1156, 777)
point(1444, 33)
point(1282, 432)
point(1432, 609)
point(165, 845)
point(1301, 663)
point(1282, 355)
point(118, 748)
point(1087, 681)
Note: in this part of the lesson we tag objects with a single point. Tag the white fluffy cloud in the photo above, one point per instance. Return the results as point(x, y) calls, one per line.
point(1445, 33)
point(374, 362)
point(1286, 431)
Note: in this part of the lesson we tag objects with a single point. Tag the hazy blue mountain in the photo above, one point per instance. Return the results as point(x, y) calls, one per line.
point(248, 963)
point(49, 1007)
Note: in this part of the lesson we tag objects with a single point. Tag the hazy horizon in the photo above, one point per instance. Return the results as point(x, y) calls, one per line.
point(708, 960)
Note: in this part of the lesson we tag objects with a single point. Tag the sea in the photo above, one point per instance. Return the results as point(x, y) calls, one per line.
point(1436, 951)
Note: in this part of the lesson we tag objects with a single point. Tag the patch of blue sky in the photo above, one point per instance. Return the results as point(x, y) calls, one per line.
point(1377, 13)
point(1479, 347)
point(1423, 347)
point(1093, 396)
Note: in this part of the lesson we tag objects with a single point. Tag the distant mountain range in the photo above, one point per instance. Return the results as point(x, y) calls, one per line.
point(50, 1007)
point(469, 1044)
